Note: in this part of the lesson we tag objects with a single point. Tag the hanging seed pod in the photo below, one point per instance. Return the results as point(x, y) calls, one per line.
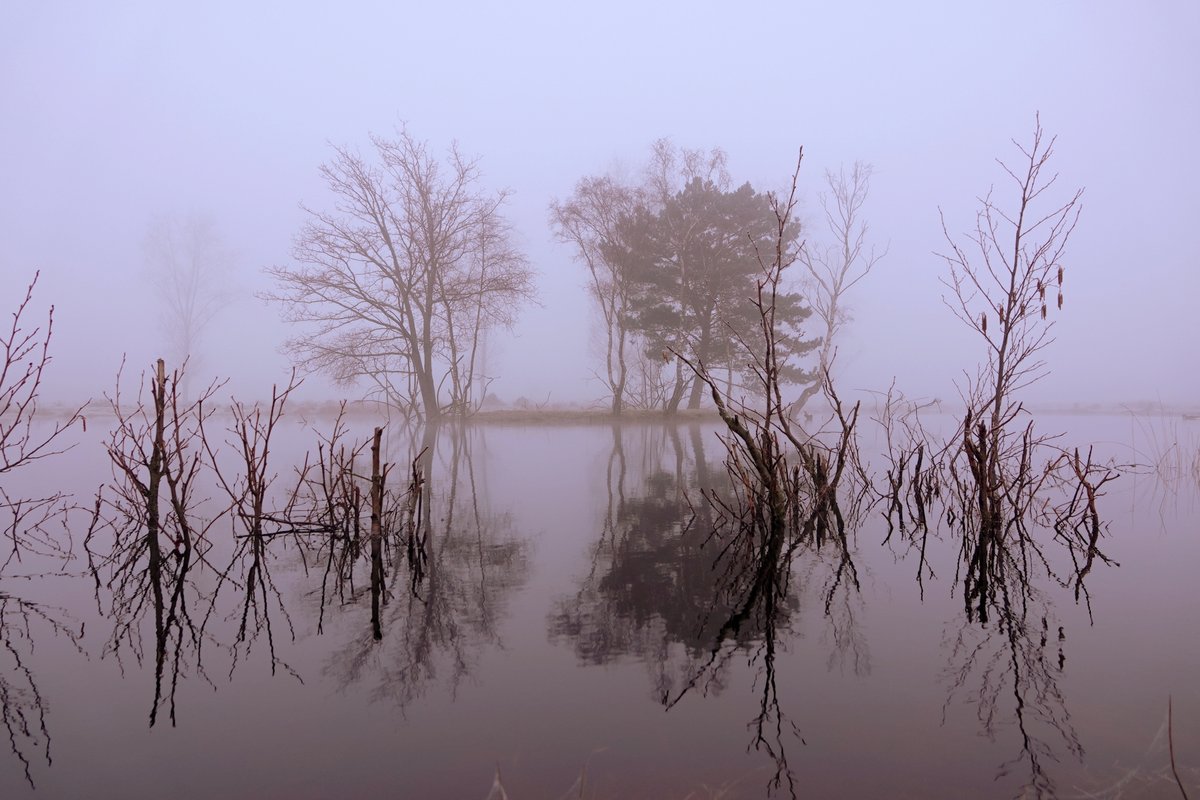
point(1043, 310)
point(1060, 272)
point(1041, 291)
point(983, 322)
point(1024, 306)
point(1060, 301)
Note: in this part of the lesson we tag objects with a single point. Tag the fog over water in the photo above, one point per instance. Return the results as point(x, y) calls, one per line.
point(116, 114)
point(596, 542)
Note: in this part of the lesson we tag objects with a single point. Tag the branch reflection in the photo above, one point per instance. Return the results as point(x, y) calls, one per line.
point(690, 590)
point(22, 706)
point(443, 610)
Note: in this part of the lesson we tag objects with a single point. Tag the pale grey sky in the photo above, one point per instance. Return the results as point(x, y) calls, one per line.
point(115, 113)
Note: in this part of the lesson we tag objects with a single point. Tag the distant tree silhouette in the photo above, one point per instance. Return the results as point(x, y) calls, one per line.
point(189, 267)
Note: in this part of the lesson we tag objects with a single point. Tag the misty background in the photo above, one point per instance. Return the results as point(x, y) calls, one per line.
point(119, 114)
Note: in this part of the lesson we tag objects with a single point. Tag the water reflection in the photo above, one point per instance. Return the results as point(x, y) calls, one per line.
point(1023, 517)
point(158, 542)
point(1008, 654)
point(668, 586)
point(22, 706)
point(438, 624)
point(687, 588)
point(418, 544)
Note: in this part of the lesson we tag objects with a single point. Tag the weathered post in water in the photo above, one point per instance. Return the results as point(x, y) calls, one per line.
point(377, 478)
point(156, 469)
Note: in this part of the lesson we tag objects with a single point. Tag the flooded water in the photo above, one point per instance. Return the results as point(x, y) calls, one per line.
point(571, 637)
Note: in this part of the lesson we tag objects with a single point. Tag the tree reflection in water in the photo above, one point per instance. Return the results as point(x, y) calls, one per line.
point(22, 706)
point(1023, 515)
point(158, 540)
point(438, 622)
point(438, 566)
point(1009, 649)
point(690, 590)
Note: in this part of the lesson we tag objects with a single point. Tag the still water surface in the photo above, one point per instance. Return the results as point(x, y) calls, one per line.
point(565, 632)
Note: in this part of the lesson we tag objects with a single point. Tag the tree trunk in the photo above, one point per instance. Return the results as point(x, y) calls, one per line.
point(702, 352)
point(377, 477)
point(681, 384)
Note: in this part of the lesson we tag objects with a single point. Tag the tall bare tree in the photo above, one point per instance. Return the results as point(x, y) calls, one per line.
point(1008, 272)
point(399, 281)
point(24, 357)
point(589, 220)
point(28, 526)
point(835, 268)
point(189, 267)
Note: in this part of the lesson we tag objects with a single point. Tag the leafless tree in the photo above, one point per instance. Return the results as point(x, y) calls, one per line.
point(189, 269)
point(790, 490)
point(1006, 282)
point(24, 357)
point(788, 481)
point(159, 539)
point(1007, 492)
point(1009, 272)
point(30, 524)
point(256, 524)
point(399, 281)
point(837, 267)
point(588, 220)
point(472, 306)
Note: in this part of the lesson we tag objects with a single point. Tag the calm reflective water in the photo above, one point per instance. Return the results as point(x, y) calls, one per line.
point(572, 627)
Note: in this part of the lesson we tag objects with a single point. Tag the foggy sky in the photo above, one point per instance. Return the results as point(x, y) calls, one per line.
point(116, 113)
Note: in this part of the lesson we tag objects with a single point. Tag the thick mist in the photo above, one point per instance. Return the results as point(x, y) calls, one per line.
point(120, 116)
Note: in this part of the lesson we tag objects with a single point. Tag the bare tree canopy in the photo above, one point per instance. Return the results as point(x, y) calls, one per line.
point(188, 265)
point(401, 280)
point(588, 220)
point(1004, 270)
point(24, 435)
point(834, 268)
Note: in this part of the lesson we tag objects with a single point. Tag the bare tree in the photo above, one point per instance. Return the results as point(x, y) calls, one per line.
point(399, 281)
point(158, 538)
point(24, 356)
point(31, 526)
point(1008, 273)
point(471, 307)
point(1006, 491)
point(248, 485)
point(788, 488)
point(188, 265)
point(835, 269)
point(589, 220)
point(1005, 282)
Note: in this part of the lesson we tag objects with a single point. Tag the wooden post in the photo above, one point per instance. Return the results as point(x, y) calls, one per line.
point(376, 535)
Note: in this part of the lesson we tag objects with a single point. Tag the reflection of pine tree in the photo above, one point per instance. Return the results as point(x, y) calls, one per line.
point(673, 586)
